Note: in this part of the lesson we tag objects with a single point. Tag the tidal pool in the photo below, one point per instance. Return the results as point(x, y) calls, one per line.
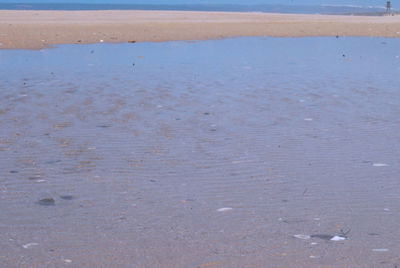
point(245, 152)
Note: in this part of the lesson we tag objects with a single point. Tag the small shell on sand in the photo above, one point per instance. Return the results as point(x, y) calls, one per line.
point(224, 209)
point(302, 236)
point(380, 165)
point(380, 250)
point(30, 245)
point(338, 238)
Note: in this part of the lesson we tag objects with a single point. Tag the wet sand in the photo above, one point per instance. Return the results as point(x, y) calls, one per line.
point(38, 29)
point(204, 154)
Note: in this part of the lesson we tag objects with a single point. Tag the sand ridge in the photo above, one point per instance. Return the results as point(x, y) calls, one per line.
point(39, 29)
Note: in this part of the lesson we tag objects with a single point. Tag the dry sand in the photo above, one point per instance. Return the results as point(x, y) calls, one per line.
point(38, 29)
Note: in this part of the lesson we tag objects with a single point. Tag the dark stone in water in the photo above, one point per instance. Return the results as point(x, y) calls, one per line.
point(293, 221)
point(53, 161)
point(66, 197)
point(47, 202)
point(13, 171)
point(322, 236)
point(104, 126)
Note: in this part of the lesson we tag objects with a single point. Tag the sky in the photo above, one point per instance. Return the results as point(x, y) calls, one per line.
point(395, 3)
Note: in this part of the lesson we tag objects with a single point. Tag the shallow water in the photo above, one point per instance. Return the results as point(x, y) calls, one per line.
point(201, 154)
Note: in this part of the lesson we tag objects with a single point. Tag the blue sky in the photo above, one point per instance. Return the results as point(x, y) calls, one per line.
point(395, 3)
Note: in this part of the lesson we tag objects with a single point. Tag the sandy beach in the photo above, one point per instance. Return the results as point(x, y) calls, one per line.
point(253, 151)
point(38, 29)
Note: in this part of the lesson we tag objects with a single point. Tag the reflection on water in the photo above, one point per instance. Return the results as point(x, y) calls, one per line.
point(241, 152)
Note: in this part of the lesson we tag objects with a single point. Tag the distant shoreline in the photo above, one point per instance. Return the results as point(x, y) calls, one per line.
point(29, 29)
point(265, 8)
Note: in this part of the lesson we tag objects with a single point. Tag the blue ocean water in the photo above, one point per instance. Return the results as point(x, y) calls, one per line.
point(280, 6)
point(242, 2)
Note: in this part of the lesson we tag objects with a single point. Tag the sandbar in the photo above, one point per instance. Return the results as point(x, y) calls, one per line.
point(23, 29)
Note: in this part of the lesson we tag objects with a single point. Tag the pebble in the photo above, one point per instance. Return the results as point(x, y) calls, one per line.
point(322, 236)
point(66, 197)
point(308, 119)
point(68, 260)
point(47, 202)
point(224, 209)
point(53, 161)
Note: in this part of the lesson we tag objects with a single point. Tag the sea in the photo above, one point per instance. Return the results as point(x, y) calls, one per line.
point(321, 7)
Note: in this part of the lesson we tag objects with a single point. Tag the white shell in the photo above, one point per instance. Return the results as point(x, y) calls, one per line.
point(380, 165)
point(224, 209)
point(380, 249)
point(30, 245)
point(302, 236)
point(338, 238)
